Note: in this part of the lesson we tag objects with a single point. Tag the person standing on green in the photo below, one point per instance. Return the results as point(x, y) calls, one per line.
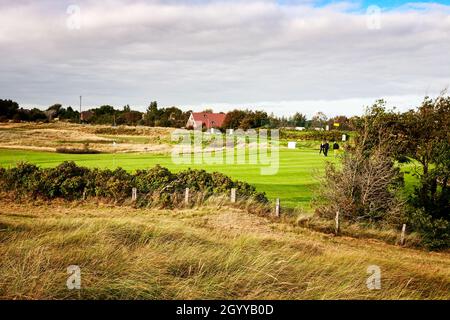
point(326, 147)
point(335, 148)
point(321, 147)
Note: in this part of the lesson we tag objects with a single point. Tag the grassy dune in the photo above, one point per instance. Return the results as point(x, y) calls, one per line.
point(204, 253)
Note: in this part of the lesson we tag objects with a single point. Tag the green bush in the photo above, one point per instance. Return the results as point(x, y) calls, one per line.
point(435, 233)
point(155, 186)
point(153, 179)
point(313, 135)
point(25, 178)
point(76, 151)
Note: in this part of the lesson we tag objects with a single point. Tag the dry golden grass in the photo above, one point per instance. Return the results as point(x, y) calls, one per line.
point(49, 136)
point(201, 253)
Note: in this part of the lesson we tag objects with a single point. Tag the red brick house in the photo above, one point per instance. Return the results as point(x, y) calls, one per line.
point(205, 120)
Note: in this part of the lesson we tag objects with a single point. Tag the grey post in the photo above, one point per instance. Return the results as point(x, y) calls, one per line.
point(336, 220)
point(133, 194)
point(186, 196)
point(277, 208)
point(233, 195)
point(402, 237)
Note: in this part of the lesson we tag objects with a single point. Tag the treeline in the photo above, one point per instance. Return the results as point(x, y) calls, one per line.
point(166, 117)
point(248, 119)
point(368, 187)
point(105, 115)
point(152, 117)
point(10, 110)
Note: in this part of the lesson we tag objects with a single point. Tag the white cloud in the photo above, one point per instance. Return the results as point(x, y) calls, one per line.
point(223, 54)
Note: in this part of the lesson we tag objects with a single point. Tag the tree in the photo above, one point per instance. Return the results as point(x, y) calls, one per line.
point(69, 114)
point(422, 135)
point(319, 120)
point(425, 137)
point(36, 115)
point(245, 120)
point(56, 108)
point(259, 119)
point(299, 120)
point(365, 187)
point(130, 117)
point(233, 119)
point(383, 121)
point(103, 115)
point(343, 121)
point(151, 114)
point(8, 109)
point(165, 117)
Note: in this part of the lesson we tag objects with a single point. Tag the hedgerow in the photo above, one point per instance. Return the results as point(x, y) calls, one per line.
point(313, 135)
point(155, 186)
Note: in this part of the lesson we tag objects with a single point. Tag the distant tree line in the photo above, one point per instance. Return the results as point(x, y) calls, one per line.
point(166, 117)
point(248, 119)
point(10, 110)
point(106, 115)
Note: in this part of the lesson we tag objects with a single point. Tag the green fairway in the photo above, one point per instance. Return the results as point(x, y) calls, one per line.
point(293, 183)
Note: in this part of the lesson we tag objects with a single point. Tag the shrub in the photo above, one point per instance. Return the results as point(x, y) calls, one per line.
point(153, 179)
point(363, 189)
point(73, 187)
point(76, 151)
point(52, 181)
point(156, 186)
point(435, 233)
point(312, 135)
point(24, 178)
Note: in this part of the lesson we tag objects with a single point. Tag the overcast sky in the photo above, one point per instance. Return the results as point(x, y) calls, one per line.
point(281, 56)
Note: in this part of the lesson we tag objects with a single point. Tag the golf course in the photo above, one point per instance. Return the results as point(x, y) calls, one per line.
point(294, 183)
point(207, 251)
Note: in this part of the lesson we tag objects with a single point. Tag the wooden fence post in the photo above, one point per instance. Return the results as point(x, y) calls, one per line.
point(233, 195)
point(134, 194)
point(337, 226)
point(277, 208)
point(402, 237)
point(186, 196)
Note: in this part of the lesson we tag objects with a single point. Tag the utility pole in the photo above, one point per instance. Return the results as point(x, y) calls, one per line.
point(80, 108)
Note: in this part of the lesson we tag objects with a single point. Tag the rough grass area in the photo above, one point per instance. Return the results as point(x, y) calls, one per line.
point(49, 136)
point(200, 253)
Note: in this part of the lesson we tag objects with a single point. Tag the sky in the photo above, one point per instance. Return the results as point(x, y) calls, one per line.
point(281, 56)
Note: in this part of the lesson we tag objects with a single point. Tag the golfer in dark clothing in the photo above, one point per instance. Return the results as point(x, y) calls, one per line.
point(335, 148)
point(326, 147)
point(321, 147)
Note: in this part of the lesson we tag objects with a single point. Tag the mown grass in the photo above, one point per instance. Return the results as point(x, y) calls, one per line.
point(293, 184)
point(200, 253)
